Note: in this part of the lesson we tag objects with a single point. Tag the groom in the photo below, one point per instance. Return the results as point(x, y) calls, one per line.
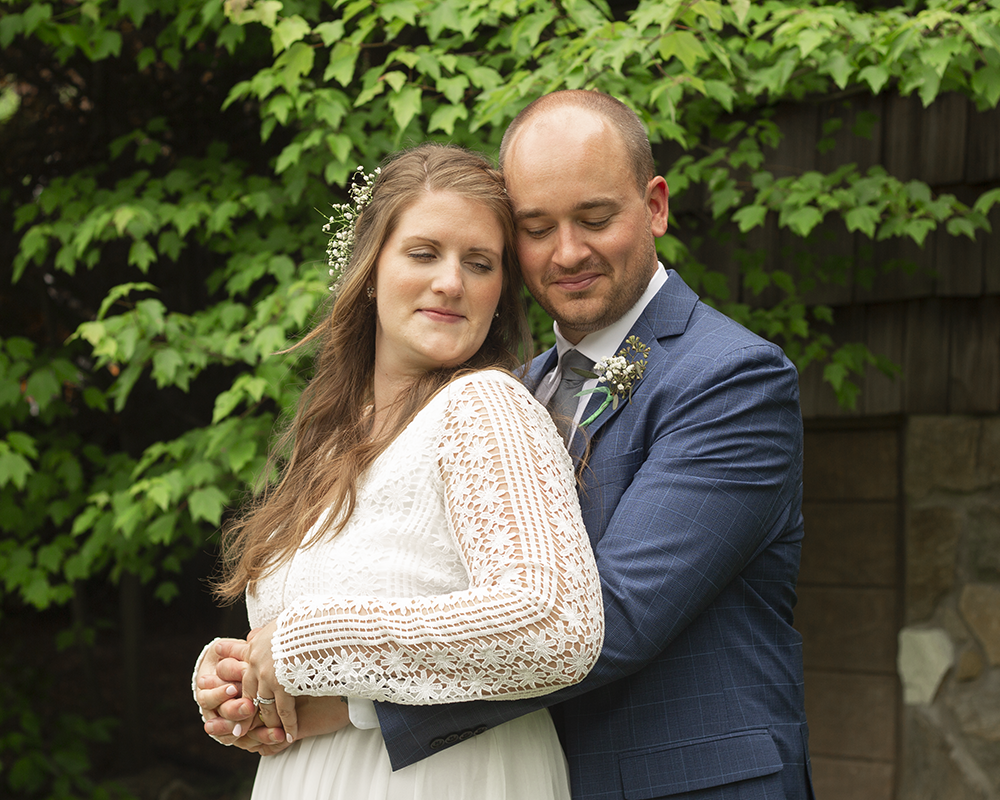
point(692, 491)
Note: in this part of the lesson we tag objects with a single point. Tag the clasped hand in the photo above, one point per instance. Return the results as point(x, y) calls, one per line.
point(233, 673)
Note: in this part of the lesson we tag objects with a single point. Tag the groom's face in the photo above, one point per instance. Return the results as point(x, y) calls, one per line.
point(584, 230)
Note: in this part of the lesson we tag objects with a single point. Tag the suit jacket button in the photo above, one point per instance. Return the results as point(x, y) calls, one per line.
point(479, 730)
point(437, 744)
point(465, 735)
point(451, 738)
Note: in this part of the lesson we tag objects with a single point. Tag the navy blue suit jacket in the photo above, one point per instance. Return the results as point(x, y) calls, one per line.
point(692, 500)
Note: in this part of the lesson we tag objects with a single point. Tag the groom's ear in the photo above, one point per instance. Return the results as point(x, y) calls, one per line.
point(658, 203)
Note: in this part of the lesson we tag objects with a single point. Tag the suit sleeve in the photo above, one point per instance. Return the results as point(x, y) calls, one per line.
point(688, 487)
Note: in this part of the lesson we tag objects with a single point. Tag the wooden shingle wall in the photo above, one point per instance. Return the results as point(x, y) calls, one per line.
point(938, 318)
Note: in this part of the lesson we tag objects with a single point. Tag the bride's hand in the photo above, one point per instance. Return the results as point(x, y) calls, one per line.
point(259, 681)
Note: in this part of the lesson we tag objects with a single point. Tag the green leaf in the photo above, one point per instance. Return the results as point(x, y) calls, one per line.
point(405, 105)
point(296, 62)
point(207, 504)
point(42, 387)
point(116, 294)
point(862, 218)
point(135, 9)
point(288, 31)
point(141, 255)
point(166, 362)
point(741, 8)
point(330, 32)
point(10, 26)
point(809, 39)
point(22, 443)
point(683, 45)
point(161, 529)
point(917, 229)
point(959, 226)
point(445, 117)
point(986, 201)
point(838, 67)
point(803, 220)
point(34, 15)
point(341, 65)
point(453, 88)
point(750, 217)
point(443, 16)
point(14, 468)
point(875, 76)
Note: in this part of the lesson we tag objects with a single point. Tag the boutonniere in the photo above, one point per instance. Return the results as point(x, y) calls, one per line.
point(621, 373)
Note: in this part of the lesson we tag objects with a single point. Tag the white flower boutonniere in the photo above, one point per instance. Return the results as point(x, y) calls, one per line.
point(621, 373)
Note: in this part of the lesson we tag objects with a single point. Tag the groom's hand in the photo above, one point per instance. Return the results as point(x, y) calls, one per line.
point(218, 692)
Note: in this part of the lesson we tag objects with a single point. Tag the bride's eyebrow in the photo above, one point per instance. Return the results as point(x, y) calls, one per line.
point(412, 240)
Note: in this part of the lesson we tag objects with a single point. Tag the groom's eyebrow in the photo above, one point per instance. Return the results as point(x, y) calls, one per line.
point(585, 205)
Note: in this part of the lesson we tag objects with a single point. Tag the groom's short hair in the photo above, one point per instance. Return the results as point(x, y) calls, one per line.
point(622, 118)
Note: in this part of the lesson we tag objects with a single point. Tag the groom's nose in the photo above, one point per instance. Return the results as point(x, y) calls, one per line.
point(570, 247)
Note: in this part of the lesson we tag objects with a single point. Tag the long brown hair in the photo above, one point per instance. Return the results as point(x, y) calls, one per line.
point(327, 445)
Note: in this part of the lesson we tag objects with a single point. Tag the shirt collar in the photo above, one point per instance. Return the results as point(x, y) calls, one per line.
point(605, 342)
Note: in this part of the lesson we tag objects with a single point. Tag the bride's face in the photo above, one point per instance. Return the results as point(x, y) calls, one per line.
point(437, 284)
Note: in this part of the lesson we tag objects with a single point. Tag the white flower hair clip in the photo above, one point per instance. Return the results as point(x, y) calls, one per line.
point(342, 220)
point(621, 373)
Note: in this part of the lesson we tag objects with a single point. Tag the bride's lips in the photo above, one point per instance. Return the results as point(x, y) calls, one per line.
point(578, 283)
point(441, 314)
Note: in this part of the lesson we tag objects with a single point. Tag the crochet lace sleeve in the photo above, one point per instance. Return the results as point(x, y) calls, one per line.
point(532, 618)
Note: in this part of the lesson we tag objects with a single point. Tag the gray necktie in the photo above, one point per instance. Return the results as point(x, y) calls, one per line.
point(564, 402)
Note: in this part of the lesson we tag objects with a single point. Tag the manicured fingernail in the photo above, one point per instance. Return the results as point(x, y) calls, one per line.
point(288, 738)
point(230, 690)
point(238, 730)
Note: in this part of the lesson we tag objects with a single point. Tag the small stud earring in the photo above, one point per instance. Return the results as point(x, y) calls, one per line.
point(371, 292)
point(496, 315)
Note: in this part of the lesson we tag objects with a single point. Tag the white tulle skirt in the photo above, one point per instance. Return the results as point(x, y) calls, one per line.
point(519, 759)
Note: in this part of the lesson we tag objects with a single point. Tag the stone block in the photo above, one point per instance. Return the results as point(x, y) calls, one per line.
point(851, 464)
point(977, 708)
point(850, 544)
point(851, 715)
point(982, 544)
point(980, 606)
point(925, 655)
point(932, 767)
point(969, 666)
point(986, 755)
point(848, 628)
point(942, 454)
point(849, 779)
point(932, 537)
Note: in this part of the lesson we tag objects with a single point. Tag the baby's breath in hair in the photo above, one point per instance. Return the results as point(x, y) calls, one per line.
point(341, 223)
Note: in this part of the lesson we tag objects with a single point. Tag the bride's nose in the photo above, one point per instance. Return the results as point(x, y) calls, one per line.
point(448, 278)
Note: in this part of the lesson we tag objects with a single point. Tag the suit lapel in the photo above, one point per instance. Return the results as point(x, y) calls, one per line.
point(540, 366)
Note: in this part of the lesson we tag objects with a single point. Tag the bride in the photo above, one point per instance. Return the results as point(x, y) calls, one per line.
point(424, 542)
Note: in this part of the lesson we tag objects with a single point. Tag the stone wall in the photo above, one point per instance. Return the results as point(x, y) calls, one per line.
point(949, 648)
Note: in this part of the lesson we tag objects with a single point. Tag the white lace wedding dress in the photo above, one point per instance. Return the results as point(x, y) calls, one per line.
point(464, 572)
